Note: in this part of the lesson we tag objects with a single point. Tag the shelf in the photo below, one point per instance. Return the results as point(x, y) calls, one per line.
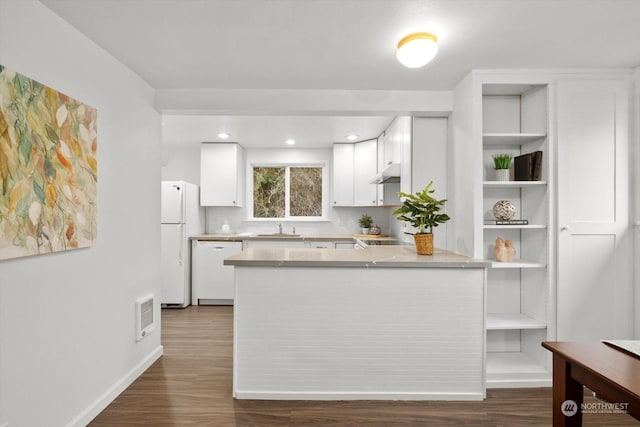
point(515, 369)
point(513, 184)
point(510, 321)
point(504, 227)
point(518, 263)
point(503, 139)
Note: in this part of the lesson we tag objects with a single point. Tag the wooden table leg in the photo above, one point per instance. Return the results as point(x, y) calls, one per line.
point(567, 395)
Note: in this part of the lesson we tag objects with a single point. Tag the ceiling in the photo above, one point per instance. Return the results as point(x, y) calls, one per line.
point(350, 44)
point(263, 131)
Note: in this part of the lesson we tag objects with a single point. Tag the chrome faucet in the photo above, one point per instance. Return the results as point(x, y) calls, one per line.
point(280, 228)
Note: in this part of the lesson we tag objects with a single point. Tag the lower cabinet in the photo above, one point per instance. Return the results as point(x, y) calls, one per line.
point(275, 243)
point(320, 244)
point(212, 282)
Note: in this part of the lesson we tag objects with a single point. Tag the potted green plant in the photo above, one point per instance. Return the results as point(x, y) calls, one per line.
point(365, 223)
point(501, 163)
point(422, 211)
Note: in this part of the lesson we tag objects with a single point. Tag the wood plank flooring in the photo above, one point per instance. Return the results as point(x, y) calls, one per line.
point(191, 386)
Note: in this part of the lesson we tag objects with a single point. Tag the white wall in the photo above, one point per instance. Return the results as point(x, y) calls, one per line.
point(67, 342)
point(181, 164)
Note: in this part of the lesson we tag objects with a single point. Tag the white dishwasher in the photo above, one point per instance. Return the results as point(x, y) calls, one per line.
point(212, 282)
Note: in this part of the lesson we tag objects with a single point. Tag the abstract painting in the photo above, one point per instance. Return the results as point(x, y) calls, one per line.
point(48, 169)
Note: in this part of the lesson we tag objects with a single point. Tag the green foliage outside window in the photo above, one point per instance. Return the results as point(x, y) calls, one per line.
point(306, 192)
point(270, 192)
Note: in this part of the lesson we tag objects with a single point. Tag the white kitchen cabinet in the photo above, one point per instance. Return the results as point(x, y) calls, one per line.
point(343, 175)
point(365, 168)
point(404, 144)
point(595, 271)
point(394, 136)
point(212, 281)
point(514, 121)
point(274, 243)
point(354, 166)
point(222, 174)
point(320, 244)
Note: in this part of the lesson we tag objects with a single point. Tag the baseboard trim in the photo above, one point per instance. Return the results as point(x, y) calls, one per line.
point(519, 383)
point(109, 396)
point(267, 395)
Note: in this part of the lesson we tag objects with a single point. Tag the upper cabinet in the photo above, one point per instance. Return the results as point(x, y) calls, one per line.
point(343, 174)
point(365, 167)
point(355, 165)
point(222, 174)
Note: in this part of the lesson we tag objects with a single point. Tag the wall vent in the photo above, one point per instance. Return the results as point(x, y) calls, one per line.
point(144, 317)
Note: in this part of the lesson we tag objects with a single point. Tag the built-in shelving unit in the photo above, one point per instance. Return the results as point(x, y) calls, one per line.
point(515, 121)
point(513, 184)
point(504, 321)
point(502, 139)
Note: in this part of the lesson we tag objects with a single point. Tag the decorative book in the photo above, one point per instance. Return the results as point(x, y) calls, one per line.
point(528, 167)
point(506, 222)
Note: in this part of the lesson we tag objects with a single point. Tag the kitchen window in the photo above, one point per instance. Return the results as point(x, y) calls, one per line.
point(287, 192)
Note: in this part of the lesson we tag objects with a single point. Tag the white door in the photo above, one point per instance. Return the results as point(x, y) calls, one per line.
point(172, 267)
point(172, 202)
point(595, 297)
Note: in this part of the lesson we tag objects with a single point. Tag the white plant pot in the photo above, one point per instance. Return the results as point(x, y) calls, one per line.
point(502, 174)
point(365, 231)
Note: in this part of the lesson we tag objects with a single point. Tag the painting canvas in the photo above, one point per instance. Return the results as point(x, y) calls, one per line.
point(48, 169)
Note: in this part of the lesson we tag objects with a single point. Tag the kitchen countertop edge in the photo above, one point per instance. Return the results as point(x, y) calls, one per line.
point(302, 237)
point(372, 257)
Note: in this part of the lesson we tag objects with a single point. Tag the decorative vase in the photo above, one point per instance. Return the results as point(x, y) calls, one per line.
point(504, 250)
point(502, 174)
point(424, 243)
point(365, 230)
point(375, 230)
point(504, 209)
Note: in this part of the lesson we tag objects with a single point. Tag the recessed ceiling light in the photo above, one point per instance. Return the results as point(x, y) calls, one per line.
point(290, 142)
point(224, 135)
point(351, 137)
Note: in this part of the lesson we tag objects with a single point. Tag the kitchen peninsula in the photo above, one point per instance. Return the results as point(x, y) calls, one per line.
point(378, 323)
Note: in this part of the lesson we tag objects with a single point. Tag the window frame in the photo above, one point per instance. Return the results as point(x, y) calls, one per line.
point(287, 183)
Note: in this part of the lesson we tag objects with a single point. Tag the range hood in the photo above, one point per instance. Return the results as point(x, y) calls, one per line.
point(390, 174)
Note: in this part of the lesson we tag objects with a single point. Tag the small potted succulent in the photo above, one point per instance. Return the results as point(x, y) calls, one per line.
point(501, 163)
point(365, 223)
point(422, 211)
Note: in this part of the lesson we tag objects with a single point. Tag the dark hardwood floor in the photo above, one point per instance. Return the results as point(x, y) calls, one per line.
point(191, 386)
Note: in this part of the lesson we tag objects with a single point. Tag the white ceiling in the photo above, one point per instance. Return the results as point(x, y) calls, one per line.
point(271, 131)
point(350, 44)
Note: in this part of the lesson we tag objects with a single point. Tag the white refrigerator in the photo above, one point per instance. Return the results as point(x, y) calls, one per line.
point(182, 217)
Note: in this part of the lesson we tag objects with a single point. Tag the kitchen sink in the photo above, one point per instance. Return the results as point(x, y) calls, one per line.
point(278, 235)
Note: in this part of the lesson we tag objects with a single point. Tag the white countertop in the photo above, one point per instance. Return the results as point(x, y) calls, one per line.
point(296, 237)
point(372, 256)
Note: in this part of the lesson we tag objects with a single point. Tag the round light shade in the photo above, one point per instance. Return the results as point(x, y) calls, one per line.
point(417, 49)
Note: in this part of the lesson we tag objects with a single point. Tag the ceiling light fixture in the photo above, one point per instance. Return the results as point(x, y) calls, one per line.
point(224, 135)
point(417, 49)
point(290, 142)
point(351, 137)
